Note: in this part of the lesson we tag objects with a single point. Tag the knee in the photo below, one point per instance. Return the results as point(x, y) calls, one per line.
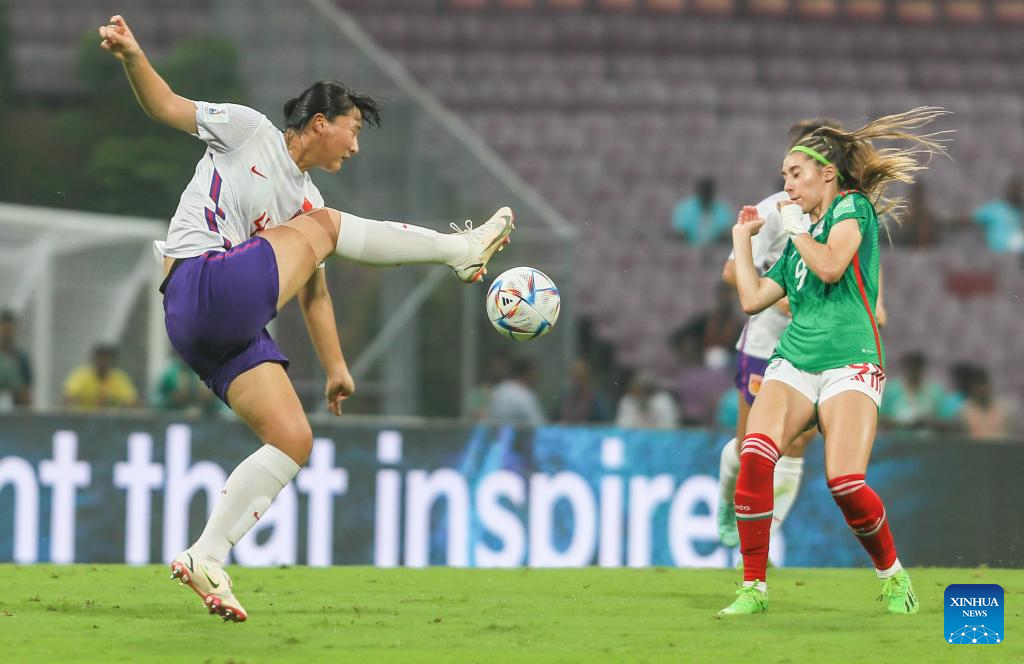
point(295, 439)
point(329, 220)
point(757, 443)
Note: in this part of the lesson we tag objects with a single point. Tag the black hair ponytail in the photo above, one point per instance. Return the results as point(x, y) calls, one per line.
point(332, 99)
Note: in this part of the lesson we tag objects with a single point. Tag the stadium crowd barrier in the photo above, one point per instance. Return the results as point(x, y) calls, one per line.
point(109, 489)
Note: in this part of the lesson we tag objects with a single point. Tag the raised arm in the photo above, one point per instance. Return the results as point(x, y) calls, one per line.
point(155, 97)
point(318, 312)
point(756, 293)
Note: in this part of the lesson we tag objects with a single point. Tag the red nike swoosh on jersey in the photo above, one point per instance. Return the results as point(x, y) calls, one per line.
point(253, 169)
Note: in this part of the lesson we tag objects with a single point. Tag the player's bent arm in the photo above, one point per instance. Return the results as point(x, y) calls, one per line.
point(756, 293)
point(829, 261)
point(156, 97)
point(764, 294)
point(318, 312)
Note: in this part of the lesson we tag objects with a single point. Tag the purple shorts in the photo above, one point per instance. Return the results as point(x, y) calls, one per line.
point(749, 375)
point(216, 308)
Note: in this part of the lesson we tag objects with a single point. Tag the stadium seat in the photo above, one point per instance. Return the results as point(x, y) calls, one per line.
point(611, 109)
point(665, 6)
point(916, 11)
point(774, 8)
point(1008, 11)
point(517, 5)
point(866, 10)
point(964, 11)
point(817, 9)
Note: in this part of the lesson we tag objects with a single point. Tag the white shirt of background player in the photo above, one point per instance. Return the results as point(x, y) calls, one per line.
point(245, 182)
point(763, 331)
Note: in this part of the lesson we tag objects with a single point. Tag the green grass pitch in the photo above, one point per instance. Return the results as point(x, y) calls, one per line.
point(114, 613)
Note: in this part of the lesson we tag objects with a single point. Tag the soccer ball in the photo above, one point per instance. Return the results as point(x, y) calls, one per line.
point(523, 303)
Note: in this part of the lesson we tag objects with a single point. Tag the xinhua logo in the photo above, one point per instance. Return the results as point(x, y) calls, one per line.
point(974, 613)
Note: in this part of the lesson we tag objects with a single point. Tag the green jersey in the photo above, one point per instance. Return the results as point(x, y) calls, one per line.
point(833, 324)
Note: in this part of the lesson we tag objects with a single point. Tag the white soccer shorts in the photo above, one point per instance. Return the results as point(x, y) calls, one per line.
point(822, 386)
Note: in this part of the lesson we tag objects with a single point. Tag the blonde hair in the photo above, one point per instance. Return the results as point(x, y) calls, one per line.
point(869, 169)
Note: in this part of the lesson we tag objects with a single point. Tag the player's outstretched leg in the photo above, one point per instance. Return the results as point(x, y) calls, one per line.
point(466, 251)
point(209, 580)
point(484, 242)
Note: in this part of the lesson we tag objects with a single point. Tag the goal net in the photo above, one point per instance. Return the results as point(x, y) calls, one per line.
point(76, 279)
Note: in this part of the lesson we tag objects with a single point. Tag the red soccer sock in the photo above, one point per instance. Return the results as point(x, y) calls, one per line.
point(865, 514)
point(755, 498)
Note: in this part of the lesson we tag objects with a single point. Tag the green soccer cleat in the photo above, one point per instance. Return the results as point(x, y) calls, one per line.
point(749, 600)
point(728, 534)
point(898, 594)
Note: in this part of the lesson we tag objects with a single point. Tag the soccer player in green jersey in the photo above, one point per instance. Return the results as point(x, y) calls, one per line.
point(755, 347)
point(829, 364)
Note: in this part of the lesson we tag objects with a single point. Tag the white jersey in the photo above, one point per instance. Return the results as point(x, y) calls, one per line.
point(245, 183)
point(762, 332)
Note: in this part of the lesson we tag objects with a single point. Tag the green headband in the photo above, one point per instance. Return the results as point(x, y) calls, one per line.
point(817, 156)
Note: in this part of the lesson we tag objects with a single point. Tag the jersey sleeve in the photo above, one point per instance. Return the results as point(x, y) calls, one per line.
point(855, 206)
point(777, 272)
point(226, 127)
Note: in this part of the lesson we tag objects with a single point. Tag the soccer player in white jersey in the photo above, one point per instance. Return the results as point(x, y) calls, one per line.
point(755, 347)
point(250, 233)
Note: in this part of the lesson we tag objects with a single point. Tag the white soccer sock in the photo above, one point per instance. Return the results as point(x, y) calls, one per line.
point(728, 471)
point(788, 472)
point(246, 496)
point(761, 585)
point(394, 243)
point(886, 573)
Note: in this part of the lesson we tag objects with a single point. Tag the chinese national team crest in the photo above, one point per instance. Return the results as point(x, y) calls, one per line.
point(974, 613)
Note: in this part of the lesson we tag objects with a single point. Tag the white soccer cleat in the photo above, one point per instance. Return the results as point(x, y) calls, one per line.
point(209, 580)
point(490, 237)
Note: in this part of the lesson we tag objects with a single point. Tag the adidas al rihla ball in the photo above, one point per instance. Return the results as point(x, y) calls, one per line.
point(523, 303)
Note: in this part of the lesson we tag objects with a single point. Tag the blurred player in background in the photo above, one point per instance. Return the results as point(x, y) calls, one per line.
point(829, 364)
point(756, 344)
point(250, 233)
